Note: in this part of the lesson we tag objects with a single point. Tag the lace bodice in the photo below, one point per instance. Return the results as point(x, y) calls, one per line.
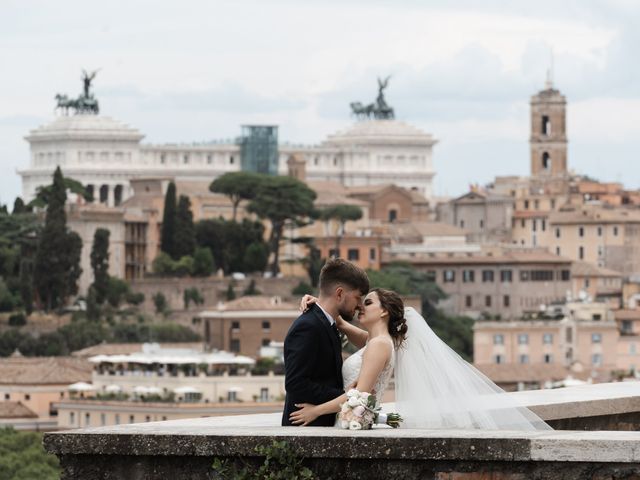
point(351, 370)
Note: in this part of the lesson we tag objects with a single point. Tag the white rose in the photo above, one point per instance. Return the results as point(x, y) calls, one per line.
point(344, 407)
point(353, 393)
point(353, 402)
point(353, 425)
point(344, 424)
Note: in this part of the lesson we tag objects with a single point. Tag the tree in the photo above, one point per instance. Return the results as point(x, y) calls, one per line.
point(117, 291)
point(237, 186)
point(231, 293)
point(256, 257)
point(281, 200)
point(192, 295)
point(203, 264)
point(43, 194)
point(100, 264)
point(19, 207)
point(22, 457)
point(185, 232)
point(169, 217)
point(343, 213)
point(160, 302)
point(57, 262)
point(251, 289)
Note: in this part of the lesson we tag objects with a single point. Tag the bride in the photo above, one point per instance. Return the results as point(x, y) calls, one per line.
point(434, 386)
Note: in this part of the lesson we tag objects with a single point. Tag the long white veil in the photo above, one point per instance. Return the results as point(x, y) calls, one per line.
point(436, 388)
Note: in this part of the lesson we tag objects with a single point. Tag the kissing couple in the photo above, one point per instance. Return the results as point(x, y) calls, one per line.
point(434, 386)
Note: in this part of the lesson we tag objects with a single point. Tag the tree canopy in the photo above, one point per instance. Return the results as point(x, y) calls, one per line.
point(342, 213)
point(237, 186)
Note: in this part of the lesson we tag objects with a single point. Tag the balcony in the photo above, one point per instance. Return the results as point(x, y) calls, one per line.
point(185, 449)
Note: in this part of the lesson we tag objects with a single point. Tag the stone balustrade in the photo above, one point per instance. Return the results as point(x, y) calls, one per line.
point(185, 449)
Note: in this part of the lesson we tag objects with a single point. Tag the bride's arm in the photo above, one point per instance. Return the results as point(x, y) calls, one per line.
point(355, 335)
point(375, 358)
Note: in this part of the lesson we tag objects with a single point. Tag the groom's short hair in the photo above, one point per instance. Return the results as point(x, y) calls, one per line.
point(338, 272)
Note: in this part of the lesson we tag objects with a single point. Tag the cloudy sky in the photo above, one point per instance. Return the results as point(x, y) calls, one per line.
point(462, 70)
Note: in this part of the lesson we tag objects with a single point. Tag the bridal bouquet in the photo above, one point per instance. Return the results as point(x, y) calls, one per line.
point(359, 412)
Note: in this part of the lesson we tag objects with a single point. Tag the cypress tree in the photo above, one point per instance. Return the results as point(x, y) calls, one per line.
point(100, 264)
point(57, 263)
point(167, 242)
point(185, 231)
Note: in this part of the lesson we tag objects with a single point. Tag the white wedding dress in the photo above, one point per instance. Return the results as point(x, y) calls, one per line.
point(436, 388)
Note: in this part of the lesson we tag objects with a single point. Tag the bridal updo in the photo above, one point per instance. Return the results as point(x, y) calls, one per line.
point(392, 303)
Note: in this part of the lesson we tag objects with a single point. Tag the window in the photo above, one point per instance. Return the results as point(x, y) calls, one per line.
point(334, 253)
point(487, 276)
point(506, 301)
point(547, 338)
point(615, 231)
point(147, 418)
point(467, 301)
point(596, 359)
point(449, 276)
point(599, 231)
point(232, 396)
point(596, 317)
point(544, 225)
point(632, 348)
point(72, 418)
point(522, 223)
point(266, 326)
point(481, 223)
point(553, 203)
point(526, 204)
point(627, 327)
point(266, 342)
point(498, 339)
point(234, 345)
point(372, 254)
point(117, 419)
point(103, 419)
point(209, 159)
point(487, 301)
point(581, 253)
point(546, 125)
point(87, 419)
point(541, 275)
point(581, 231)
point(132, 419)
point(461, 223)
point(185, 159)
point(557, 232)
point(27, 396)
point(430, 276)
point(231, 160)
point(468, 276)
point(546, 161)
point(548, 358)
point(163, 158)
point(586, 283)
point(498, 359)
point(264, 394)
point(557, 250)
point(353, 254)
point(523, 339)
point(524, 276)
point(565, 275)
point(393, 215)
point(7, 396)
point(506, 276)
point(235, 326)
point(536, 204)
point(596, 338)
point(524, 358)
point(164, 417)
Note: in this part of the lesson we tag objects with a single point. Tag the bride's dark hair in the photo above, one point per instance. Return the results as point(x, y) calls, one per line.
point(392, 303)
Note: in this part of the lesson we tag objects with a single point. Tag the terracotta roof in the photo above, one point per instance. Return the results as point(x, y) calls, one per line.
point(258, 302)
point(586, 269)
point(513, 373)
point(326, 186)
point(595, 215)
point(44, 370)
point(125, 348)
point(530, 214)
point(10, 409)
point(626, 314)
point(438, 229)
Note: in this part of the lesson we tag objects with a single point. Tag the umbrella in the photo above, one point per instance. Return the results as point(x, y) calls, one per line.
point(186, 390)
point(81, 387)
point(113, 388)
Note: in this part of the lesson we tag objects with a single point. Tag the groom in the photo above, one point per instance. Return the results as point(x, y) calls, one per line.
point(312, 349)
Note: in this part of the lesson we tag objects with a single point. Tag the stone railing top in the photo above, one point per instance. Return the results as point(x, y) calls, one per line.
point(238, 435)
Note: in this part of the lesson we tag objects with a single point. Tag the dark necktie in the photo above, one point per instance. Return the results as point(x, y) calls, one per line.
point(335, 330)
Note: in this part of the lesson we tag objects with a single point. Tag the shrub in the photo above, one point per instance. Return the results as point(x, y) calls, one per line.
point(17, 320)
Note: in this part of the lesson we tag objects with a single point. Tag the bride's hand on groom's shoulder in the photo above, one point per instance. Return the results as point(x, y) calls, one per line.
point(304, 416)
point(306, 302)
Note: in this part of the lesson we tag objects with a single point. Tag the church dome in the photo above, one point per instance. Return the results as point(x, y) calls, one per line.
point(84, 127)
point(373, 132)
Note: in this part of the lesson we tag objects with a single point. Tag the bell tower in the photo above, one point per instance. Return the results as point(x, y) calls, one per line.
point(548, 141)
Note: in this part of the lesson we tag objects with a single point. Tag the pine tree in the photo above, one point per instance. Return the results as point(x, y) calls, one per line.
point(57, 263)
point(19, 207)
point(167, 242)
point(100, 264)
point(185, 231)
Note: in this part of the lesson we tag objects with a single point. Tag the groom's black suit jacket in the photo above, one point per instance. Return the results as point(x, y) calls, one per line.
point(313, 364)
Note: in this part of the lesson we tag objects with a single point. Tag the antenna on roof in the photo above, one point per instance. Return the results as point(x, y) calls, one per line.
point(548, 84)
